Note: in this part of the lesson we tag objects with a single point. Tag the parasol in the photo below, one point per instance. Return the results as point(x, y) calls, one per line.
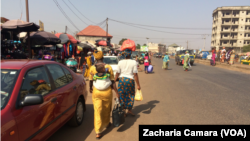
point(71, 62)
point(85, 45)
point(20, 26)
point(43, 38)
point(65, 38)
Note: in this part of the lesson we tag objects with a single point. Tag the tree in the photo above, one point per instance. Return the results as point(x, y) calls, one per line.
point(144, 45)
point(138, 46)
point(122, 40)
point(246, 48)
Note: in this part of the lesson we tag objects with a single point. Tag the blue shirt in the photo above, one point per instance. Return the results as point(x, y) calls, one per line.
point(92, 58)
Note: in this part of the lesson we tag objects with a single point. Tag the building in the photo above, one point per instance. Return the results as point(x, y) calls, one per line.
point(231, 27)
point(92, 33)
point(162, 48)
point(153, 47)
point(174, 47)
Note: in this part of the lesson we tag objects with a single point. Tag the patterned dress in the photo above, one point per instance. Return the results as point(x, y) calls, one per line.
point(126, 90)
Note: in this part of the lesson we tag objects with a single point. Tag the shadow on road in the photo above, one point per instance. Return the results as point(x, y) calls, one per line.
point(76, 133)
point(144, 108)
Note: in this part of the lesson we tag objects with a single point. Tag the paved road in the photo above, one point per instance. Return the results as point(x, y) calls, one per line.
point(204, 95)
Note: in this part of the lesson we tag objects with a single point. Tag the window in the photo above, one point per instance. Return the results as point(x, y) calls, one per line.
point(36, 81)
point(226, 27)
point(227, 20)
point(68, 74)
point(240, 41)
point(58, 75)
point(227, 13)
point(241, 19)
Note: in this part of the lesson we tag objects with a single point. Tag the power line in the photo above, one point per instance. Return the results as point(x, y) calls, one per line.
point(65, 14)
point(74, 12)
point(81, 13)
point(159, 31)
point(153, 38)
point(162, 26)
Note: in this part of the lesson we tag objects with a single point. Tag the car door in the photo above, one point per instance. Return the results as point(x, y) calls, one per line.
point(36, 122)
point(66, 90)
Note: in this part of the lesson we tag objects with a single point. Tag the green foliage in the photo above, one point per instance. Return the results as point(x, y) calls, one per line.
point(144, 45)
point(246, 48)
point(138, 46)
point(122, 40)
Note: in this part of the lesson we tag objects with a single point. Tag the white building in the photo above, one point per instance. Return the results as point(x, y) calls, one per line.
point(174, 47)
point(231, 27)
point(153, 47)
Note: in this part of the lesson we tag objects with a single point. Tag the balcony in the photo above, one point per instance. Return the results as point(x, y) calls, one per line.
point(227, 16)
point(247, 38)
point(226, 23)
point(225, 38)
point(226, 31)
point(235, 16)
point(233, 38)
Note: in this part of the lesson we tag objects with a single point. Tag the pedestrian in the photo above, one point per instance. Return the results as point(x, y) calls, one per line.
point(228, 55)
point(83, 62)
point(128, 75)
point(186, 59)
point(213, 56)
point(223, 55)
point(165, 62)
point(88, 65)
point(137, 63)
point(102, 99)
point(92, 58)
point(232, 56)
point(146, 63)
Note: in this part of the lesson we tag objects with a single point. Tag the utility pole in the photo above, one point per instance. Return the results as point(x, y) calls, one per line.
point(204, 37)
point(107, 28)
point(187, 44)
point(28, 33)
point(27, 11)
point(66, 29)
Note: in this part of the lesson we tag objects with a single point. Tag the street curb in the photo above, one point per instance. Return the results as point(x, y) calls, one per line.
point(226, 66)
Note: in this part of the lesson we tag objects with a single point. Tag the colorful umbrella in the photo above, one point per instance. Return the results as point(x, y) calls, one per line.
point(65, 38)
point(71, 62)
point(20, 26)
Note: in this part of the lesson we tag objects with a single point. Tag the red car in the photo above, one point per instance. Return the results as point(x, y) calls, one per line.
point(39, 97)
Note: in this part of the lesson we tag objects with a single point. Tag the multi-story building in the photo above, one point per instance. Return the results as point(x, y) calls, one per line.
point(231, 27)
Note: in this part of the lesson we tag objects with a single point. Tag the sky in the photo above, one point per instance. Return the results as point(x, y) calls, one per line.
point(165, 13)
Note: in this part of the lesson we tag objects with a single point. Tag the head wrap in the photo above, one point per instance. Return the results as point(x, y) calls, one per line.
point(98, 54)
point(127, 52)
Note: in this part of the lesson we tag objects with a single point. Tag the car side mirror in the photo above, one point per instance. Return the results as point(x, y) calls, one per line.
point(32, 99)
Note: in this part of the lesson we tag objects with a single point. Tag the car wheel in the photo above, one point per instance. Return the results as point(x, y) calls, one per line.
point(77, 119)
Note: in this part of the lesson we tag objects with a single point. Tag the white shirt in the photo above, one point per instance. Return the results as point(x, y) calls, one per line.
point(127, 68)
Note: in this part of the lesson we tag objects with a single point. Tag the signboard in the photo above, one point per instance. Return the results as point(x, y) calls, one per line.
point(144, 48)
point(41, 26)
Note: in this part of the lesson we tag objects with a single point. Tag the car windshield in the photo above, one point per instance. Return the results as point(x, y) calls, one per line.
point(110, 60)
point(8, 78)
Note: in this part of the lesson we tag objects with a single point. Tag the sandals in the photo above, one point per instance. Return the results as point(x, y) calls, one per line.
point(98, 136)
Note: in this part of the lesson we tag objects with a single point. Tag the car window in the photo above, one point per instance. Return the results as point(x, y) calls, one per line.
point(36, 81)
point(110, 60)
point(68, 74)
point(7, 83)
point(58, 75)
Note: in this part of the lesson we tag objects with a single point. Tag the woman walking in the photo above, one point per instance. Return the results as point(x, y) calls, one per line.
point(185, 65)
point(232, 56)
point(213, 56)
point(102, 99)
point(128, 74)
point(88, 65)
point(146, 62)
point(165, 62)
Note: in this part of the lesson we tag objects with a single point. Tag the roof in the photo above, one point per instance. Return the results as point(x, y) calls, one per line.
point(173, 45)
point(93, 30)
point(19, 63)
